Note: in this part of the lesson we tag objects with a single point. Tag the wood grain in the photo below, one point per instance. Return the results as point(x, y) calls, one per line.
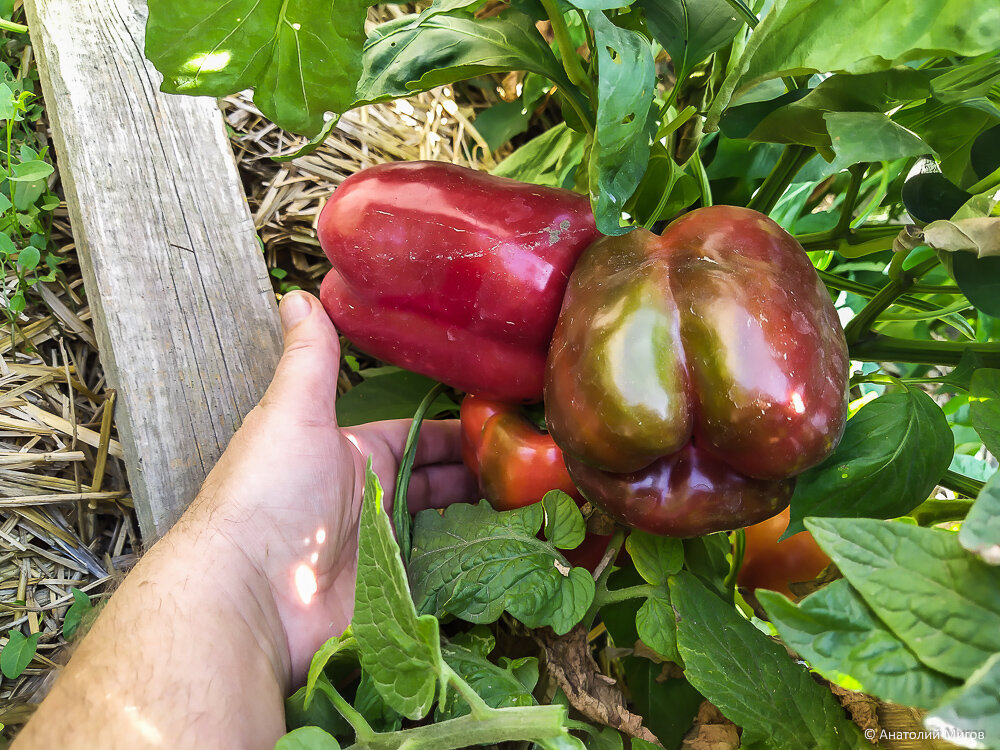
point(183, 307)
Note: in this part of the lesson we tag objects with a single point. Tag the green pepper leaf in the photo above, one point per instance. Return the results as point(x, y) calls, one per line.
point(18, 653)
point(915, 580)
point(842, 639)
point(690, 30)
point(973, 710)
point(564, 524)
point(392, 395)
point(307, 738)
point(751, 678)
point(475, 562)
point(399, 650)
point(794, 38)
point(625, 120)
point(984, 407)
point(655, 557)
point(980, 532)
point(865, 474)
point(548, 159)
point(408, 55)
point(870, 136)
point(301, 60)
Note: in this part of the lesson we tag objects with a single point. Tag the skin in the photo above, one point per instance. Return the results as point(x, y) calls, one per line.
point(217, 622)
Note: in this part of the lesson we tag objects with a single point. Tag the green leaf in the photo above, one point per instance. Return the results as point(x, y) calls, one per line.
point(625, 120)
point(300, 59)
point(795, 38)
point(667, 706)
point(916, 580)
point(894, 451)
point(30, 171)
point(600, 4)
point(548, 159)
point(321, 658)
point(655, 557)
point(980, 532)
point(842, 639)
point(320, 713)
point(18, 653)
point(380, 715)
point(399, 650)
point(690, 30)
point(474, 562)
point(564, 524)
point(28, 258)
point(979, 280)
point(972, 710)
point(870, 136)
point(393, 395)
point(5, 204)
point(984, 407)
point(307, 738)
point(406, 55)
point(657, 627)
point(501, 122)
point(75, 613)
point(498, 686)
point(751, 678)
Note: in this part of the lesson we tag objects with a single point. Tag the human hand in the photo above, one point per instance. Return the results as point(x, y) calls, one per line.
point(287, 490)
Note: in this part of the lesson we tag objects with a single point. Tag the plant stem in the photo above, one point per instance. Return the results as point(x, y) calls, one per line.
point(477, 705)
point(830, 239)
point(989, 182)
point(17, 28)
point(567, 52)
point(400, 511)
point(613, 596)
point(739, 548)
point(792, 159)
point(962, 484)
point(501, 725)
point(862, 322)
point(702, 176)
point(850, 198)
point(879, 348)
point(362, 729)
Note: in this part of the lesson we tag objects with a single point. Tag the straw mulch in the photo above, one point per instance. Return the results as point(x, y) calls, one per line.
point(65, 512)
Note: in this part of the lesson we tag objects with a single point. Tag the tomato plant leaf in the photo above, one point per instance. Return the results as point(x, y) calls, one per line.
point(667, 706)
point(408, 55)
point(321, 658)
point(751, 678)
point(657, 627)
point(399, 650)
point(18, 653)
point(307, 738)
point(564, 524)
point(301, 60)
point(655, 557)
point(392, 395)
point(915, 580)
point(980, 532)
point(984, 407)
point(474, 562)
point(863, 476)
point(625, 120)
point(320, 713)
point(842, 639)
point(80, 607)
point(974, 709)
point(690, 31)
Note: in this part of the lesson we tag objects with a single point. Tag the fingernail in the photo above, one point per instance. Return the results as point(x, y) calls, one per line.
point(294, 308)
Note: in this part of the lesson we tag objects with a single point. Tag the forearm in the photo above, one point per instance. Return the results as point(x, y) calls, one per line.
point(189, 652)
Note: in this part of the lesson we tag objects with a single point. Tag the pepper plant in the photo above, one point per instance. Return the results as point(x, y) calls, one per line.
point(880, 154)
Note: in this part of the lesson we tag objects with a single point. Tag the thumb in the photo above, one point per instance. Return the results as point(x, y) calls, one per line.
point(305, 381)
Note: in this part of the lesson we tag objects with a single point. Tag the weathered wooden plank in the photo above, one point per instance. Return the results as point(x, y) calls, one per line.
point(183, 308)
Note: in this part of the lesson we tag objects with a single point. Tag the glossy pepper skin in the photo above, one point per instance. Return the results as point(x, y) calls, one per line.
point(693, 374)
point(515, 462)
point(451, 272)
point(770, 564)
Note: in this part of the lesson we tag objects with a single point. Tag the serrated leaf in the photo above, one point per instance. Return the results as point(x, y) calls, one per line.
point(752, 679)
point(842, 639)
point(894, 451)
point(625, 120)
point(690, 30)
point(972, 710)
point(399, 650)
point(984, 407)
point(980, 532)
point(656, 624)
point(794, 39)
point(18, 653)
point(80, 607)
point(564, 524)
point(475, 562)
point(300, 60)
point(915, 580)
point(655, 557)
point(407, 55)
point(307, 738)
